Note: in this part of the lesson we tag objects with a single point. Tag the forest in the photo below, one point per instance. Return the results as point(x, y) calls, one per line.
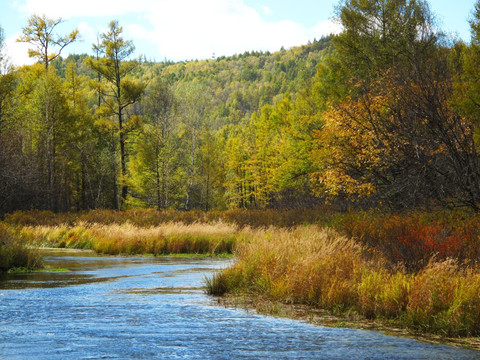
point(383, 115)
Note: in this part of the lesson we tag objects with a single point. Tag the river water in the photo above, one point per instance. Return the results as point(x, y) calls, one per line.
point(155, 308)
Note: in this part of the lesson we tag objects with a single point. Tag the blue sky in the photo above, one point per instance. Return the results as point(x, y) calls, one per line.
point(197, 29)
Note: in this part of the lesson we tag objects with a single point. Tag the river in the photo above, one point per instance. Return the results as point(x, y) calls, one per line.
point(155, 308)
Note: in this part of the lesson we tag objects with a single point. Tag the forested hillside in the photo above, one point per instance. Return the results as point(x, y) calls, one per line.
point(383, 114)
point(181, 136)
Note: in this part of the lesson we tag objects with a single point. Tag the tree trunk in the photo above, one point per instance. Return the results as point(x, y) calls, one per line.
point(123, 160)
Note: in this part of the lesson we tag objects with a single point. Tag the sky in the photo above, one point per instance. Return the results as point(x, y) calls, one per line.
point(180, 30)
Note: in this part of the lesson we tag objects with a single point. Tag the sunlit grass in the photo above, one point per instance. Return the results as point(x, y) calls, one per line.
point(317, 267)
point(170, 238)
point(15, 254)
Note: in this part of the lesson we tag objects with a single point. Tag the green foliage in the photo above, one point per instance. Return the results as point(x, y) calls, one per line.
point(40, 34)
point(116, 96)
point(83, 130)
point(384, 114)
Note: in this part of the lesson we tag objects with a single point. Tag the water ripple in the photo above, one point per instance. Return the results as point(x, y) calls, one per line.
point(148, 308)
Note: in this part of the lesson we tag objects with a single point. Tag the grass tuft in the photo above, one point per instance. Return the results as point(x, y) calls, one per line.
point(15, 253)
point(170, 238)
point(216, 285)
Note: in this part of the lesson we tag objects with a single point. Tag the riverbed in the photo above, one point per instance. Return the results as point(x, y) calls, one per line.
point(103, 307)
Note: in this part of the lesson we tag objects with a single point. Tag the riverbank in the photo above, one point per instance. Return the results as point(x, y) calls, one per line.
point(15, 254)
point(319, 317)
point(417, 271)
point(319, 268)
point(127, 239)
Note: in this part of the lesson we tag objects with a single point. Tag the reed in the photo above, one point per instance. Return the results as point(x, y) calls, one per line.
point(152, 217)
point(409, 239)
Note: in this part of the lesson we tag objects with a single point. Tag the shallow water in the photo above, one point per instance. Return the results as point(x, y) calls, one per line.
point(155, 308)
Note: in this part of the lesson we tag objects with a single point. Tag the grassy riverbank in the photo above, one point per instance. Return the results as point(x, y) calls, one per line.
point(148, 231)
point(128, 239)
point(15, 253)
point(419, 271)
point(319, 268)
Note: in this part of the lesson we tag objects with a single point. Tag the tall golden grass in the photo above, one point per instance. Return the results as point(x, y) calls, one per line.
point(315, 266)
point(14, 251)
point(126, 238)
point(410, 239)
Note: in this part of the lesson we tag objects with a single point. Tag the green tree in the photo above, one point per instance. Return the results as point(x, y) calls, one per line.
point(210, 172)
point(40, 33)
point(121, 91)
point(464, 62)
point(8, 84)
point(195, 107)
point(153, 170)
point(8, 80)
point(239, 167)
point(83, 146)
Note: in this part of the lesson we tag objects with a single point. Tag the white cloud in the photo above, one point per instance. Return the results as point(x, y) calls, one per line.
point(68, 9)
point(185, 29)
point(18, 52)
point(266, 10)
point(86, 31)
point(326, 27)
point(135, 31)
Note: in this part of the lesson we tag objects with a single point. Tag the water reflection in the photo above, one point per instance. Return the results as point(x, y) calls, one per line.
point(155, 308)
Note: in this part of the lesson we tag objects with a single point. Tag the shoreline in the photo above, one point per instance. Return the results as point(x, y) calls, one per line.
point(93, 252)
point(320, 317)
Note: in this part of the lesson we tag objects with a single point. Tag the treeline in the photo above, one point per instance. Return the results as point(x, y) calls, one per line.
point(383, 114)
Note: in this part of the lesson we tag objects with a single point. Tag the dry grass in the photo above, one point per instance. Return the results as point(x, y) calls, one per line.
point(169, 238)
point(152, 217)
point(419, 271)
point(14, 252)
point(317, 267)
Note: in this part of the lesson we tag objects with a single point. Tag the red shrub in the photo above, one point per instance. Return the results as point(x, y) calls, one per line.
point(412, 240)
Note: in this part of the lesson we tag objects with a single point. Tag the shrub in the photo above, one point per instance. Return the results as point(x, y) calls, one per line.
point(412, 240)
